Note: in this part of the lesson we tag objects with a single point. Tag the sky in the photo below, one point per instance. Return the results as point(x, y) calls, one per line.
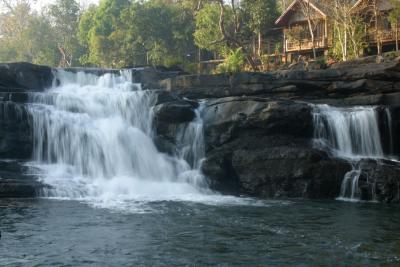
point(41, 3)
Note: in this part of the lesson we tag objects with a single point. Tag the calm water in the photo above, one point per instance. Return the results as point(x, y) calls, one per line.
point(46, 232)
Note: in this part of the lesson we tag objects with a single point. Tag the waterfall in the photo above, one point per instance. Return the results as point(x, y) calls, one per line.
point(93, 139)
point(348, 132)
point(352, 134)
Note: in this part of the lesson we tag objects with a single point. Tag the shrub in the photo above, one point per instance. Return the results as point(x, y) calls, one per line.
point(233, 62)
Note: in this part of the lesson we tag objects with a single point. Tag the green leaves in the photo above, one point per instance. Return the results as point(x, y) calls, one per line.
point(233, 62)
point(119, 33)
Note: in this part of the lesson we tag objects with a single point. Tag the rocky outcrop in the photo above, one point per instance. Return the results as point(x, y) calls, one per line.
point(366, 84)
point(22, 77)
point(263, 147)
point(171, 113)
point(15, 182)
point(379, 180)
point(15, 131)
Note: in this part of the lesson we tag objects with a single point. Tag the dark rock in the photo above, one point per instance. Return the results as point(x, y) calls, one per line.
point(24, 77)
point(263, 147)
point(178, 111)
point(380, 180)
point(162, 96)
point(333, 84)
point(15, 182)
point(226, 118)
point(274, 166)
point(150, 77)
point(19, 188)
point(15, 131)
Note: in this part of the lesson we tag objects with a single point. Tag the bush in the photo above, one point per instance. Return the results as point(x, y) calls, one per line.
point(233, 62)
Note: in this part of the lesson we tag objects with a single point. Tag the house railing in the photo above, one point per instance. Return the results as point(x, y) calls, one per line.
point(305, 44)
point(386, 35)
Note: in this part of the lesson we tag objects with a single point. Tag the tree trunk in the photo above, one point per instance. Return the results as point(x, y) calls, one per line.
point(345, 45)
point(312, 38)
point(397, 37)
point(199, 70)
point(259, 44)
point(378, 38)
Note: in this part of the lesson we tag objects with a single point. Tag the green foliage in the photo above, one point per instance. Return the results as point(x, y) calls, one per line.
point(26, 36)
point(64, 17)
point(261, 14)
point(120, 33)
point(394, 15)
point(207, 34)
point(233, 62)
point(355, 39)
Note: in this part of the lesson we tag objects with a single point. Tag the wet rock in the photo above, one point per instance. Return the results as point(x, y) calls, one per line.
point(15, 131)
point(274, 166)
point(16, 182)
point(24, 77)
point(226, 118)
point(263, 147)
point(19, 188)
point(333, 84)
point(380, 180)
point(178, 111)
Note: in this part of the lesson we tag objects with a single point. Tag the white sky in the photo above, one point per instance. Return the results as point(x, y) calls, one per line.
point(41, 3)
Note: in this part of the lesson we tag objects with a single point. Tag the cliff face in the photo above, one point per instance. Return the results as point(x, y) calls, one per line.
point(259, 128)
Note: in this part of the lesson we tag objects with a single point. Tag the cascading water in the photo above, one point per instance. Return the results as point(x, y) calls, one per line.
point(349, 133)
point(93, 139)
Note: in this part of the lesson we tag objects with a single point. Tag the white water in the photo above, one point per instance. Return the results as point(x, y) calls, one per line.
point(352, 134)
point(93, 141)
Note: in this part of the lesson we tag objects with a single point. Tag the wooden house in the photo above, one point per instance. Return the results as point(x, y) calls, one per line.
point(297, 37)
point(379, 33)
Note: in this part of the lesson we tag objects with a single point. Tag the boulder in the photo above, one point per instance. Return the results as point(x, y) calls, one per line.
point(263, 147)
point(20, 77)
point(226, 118)
point(178, 111)
point(15, 182)
point(379, 181)
point(274, 166)
point(332, 84)
point(16, 140)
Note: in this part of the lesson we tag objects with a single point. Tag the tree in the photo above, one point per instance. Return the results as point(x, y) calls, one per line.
point(64, 15)
point(230, 26)
point(86, 24)
point(394, 18)
point(370, 10)
point(312, 21)
point(262, 14)
point(25, 35)
point(208, 32)
point(349, 27)
point(98, 31)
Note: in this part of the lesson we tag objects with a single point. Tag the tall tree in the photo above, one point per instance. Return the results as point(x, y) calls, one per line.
point(230, 25)
point(312, 18)
point(64, 15)
point(394, 18)
point(99, 31)
point(25, 35)
point(262, 14)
